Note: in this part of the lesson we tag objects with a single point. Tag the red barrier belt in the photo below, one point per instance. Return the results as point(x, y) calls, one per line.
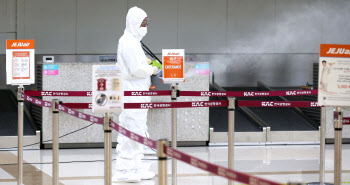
point(278, 104)
point(162, 105)
point(221, 171)
point(248, 93)
point(80, 115)
point(89, 93)
point(58, 93)
point(346, 121)
point(183, 93)
point(36, 101)
point(133, 136)
point(115, 126)
point(215, 169)
point(147, 93)
point(219, 103)
point(78, 105)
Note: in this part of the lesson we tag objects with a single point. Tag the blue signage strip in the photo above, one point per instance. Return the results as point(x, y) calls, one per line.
point(201, 66)
point(50, 67)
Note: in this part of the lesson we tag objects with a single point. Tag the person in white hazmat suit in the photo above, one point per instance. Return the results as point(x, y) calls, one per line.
point(137, 72)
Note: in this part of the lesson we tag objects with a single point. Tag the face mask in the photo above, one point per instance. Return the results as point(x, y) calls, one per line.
point(142, 32)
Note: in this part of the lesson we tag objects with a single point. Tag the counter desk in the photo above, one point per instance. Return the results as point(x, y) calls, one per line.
point(74, 74)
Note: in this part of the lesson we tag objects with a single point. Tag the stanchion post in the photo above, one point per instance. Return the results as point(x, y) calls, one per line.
point(322, 145)
point(162, 157)
point(20, 134)
point(322, 150)
point(338, 126)
point(231, 130)
point(55, 143)
point(107, 149)
point(174, 133)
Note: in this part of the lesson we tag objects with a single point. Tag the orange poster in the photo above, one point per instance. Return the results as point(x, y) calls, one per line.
point(173, 65)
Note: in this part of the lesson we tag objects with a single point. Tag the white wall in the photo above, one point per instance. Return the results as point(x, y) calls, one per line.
point(7, 22)
point(199, 26)
point(99, 25)
point(52, 24)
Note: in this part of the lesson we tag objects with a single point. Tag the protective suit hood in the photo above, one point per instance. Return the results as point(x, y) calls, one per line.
point(134, 19)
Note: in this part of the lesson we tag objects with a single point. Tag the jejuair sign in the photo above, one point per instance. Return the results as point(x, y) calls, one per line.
point(338, 51)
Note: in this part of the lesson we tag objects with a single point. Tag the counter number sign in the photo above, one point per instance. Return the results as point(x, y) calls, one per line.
point(173, 65)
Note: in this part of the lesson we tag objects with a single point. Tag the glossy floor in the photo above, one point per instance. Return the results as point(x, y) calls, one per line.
point(288, 163)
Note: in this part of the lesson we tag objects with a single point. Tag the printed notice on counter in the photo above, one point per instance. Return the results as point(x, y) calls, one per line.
point(334, 75)
point(173, 65)
point(107, 89)
point(20, 63)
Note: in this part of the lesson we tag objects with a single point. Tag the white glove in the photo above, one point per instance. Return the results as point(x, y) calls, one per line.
point(155, 70)
point(149, 61)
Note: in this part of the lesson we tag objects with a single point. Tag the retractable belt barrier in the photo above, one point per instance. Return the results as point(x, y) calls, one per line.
point(183, 93)
point(346, 121)
point(248, 93)
point(228, 173)
point(133, 136)
point(155, 105)
point(278, 104)
point(78, 105)
point(58, 93)
point(80, 115)
point(171, 152)
point(89, 93)
point(147, 93)
point(36, 101)
point(195, 104)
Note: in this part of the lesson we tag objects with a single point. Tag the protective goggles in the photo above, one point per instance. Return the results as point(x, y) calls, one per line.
point(145, 22)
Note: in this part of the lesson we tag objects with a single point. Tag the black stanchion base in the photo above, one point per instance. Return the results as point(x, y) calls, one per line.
point(318, 183)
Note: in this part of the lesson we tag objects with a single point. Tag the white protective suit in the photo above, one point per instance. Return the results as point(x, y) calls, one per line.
point(137, 72)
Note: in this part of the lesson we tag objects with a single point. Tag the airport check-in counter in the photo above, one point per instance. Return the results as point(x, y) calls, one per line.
point(75, 74)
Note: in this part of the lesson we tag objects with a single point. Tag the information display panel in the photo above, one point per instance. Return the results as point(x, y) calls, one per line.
point(20, 64)
point(173, 65)
point(334, 75)
point(107, 89)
